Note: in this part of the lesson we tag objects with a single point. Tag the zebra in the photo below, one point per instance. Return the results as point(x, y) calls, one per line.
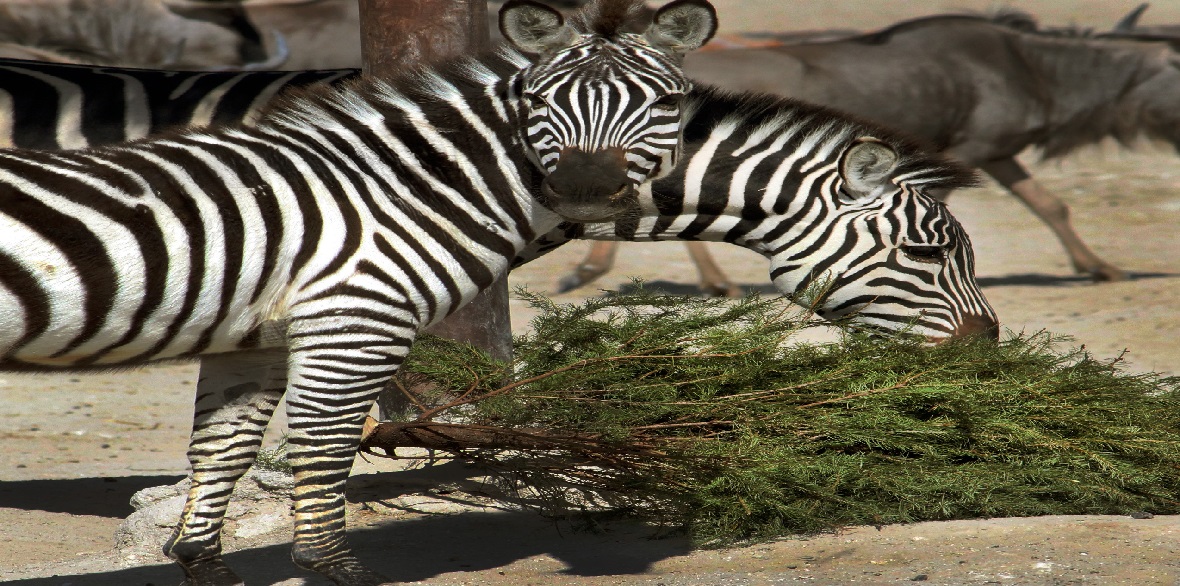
point(300, 256)
point(54, 106)
point(827, 200)
point(112, 96)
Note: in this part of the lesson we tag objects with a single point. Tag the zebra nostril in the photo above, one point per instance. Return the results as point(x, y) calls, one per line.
point(978, 325)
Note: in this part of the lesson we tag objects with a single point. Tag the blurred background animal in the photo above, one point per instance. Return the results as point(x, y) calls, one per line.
point(169, 34)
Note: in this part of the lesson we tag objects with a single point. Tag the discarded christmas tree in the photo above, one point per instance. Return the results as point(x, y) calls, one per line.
point(711, 416)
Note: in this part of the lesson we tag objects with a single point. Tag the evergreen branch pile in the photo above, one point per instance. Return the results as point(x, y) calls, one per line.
point(708, 415)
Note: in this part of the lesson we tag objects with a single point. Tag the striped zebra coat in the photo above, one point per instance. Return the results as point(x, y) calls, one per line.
point(170, 99)
point(51, 106)
point(829, 201)
point(300, 257)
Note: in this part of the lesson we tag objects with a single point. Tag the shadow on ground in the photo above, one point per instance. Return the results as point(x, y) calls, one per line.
point(423, 548)
point(100, 497)
point(662, 287)
point(408, 549)
point(1046, 280)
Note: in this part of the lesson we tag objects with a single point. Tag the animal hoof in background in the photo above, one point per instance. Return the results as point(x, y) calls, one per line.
point(583, 274)
point(569, 283)
point(721, 289)
point(1106, 273)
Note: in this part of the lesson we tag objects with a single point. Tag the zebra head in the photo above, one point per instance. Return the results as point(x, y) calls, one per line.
point(601, 103)
point(884, 252)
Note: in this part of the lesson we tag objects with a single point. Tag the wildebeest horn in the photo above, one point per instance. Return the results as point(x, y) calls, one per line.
point(18, 51)
point(242, 4)
point(1128, 23)
point(175, 52)
point(281, 53)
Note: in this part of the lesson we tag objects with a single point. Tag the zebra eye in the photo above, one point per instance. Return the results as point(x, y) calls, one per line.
point(932, 254)
point(535, 102)
point(668, 103)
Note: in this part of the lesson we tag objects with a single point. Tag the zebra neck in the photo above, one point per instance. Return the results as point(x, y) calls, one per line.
point(449, 142)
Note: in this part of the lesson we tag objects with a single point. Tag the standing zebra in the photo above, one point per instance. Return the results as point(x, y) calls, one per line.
point(302, 255)
point(825, 199)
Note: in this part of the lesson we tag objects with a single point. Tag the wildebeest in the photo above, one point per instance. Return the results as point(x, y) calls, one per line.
point(977, 90)
point(169, 34)
point(319, 34)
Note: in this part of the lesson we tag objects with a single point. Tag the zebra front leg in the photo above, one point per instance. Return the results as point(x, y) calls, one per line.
point(236, 396)
point(713, 280)
point(1055, 214)
point(596, 264)
point(332, 387)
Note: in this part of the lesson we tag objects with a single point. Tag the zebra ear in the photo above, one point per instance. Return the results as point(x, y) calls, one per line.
point(533, 27)
point(682, 26)
point(867, 167)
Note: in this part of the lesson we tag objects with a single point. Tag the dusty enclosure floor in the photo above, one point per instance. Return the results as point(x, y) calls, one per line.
point(77, 447)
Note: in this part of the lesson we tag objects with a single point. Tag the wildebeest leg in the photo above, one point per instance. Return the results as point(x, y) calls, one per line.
point(713, 280)
point(596, 264)
point(1055, 214)
point(236, 396)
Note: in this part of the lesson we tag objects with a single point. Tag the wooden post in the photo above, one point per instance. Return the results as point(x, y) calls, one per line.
point(396, 34)
point(400, 33)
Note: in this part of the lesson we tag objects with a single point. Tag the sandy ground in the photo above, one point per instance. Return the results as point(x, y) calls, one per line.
point(78, 446)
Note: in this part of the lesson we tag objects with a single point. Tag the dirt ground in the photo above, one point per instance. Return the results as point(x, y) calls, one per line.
point(78, 446)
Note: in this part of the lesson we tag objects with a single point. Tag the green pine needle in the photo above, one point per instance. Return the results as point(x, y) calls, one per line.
point(743, 432)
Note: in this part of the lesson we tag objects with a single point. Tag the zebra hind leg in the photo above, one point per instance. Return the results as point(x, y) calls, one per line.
point(236, 395)
point(332, 387)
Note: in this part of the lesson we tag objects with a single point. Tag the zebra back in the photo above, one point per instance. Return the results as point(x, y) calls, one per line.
point(60, 106)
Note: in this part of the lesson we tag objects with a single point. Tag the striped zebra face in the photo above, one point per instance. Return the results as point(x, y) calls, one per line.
point(888, 254)
point(601, 109)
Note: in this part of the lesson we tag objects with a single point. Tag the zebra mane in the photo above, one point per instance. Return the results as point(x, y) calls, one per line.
point(709, 107)
point(609, 18)
point(429, 86)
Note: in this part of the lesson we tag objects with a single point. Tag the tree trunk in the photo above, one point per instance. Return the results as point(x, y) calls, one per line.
point(400, 33)
point(388, 436)
point(396, 34)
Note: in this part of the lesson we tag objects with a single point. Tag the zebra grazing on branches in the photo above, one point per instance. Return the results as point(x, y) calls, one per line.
point(825, 199)
point(303, 254)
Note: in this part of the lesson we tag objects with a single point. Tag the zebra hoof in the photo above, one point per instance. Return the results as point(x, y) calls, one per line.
point(1106, 274)
point(210, 573)
point(353, 573)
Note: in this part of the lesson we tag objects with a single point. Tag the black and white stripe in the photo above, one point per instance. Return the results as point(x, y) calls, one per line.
point(766, 174)
point(649, 105)
point(62, 106)
point(299, 256)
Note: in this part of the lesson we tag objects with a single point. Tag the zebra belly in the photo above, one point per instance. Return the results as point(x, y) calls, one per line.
point(47, 319)
point(120, 346)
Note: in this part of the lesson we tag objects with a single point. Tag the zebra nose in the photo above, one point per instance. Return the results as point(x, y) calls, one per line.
point(978, 325)
point(582, 177)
